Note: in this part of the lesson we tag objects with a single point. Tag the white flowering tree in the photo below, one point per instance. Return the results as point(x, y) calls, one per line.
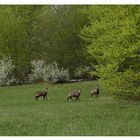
point(50, 73)
point(38, 68)
point(54, 74)
point(6, 71)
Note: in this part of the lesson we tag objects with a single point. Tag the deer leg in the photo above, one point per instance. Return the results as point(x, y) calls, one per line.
point(36, 98)
point(78, 98)
point(71, 98)
point(68, 98)
point(92, 94)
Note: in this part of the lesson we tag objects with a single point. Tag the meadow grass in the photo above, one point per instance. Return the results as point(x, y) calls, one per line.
point(21, 115)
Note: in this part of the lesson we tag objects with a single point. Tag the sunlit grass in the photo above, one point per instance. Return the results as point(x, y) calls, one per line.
point(20, 114)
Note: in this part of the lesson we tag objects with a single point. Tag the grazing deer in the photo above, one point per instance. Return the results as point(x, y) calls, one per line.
point(41, 93)
point(75, 94)
point(95, 91)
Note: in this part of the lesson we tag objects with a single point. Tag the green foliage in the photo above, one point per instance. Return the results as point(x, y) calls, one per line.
point(83, 72)
point(17, 29)
point(60, 34)
point(113, 40)
point(50, 33)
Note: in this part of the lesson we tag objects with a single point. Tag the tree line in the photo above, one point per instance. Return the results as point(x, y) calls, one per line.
point(88, 41)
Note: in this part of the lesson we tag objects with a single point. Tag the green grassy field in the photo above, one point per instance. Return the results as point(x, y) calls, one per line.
point(20, 114)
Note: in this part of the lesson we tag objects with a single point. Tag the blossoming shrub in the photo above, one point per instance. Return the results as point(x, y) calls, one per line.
point(54, 74)
point(38, 68)
point(50, 73)
point(6, 71)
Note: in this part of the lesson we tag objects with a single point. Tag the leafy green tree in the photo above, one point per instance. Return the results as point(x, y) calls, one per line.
point(113, 39)
point(50, 33)
point(18, 28)
point(61, 26)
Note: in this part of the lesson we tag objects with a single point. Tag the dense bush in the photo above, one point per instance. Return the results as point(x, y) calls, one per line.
point(6, 70)
point(83, 72)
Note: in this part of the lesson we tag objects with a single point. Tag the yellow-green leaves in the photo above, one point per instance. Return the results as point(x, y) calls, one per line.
point(113, 37)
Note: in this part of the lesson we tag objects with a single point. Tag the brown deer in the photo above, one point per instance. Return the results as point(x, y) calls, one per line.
point(95, 91)
point(75, 94)
point(41, 93)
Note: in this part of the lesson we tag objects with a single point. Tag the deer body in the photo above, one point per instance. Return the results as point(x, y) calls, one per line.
point(75, 94)
point(41, 94)
point(95, 92)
